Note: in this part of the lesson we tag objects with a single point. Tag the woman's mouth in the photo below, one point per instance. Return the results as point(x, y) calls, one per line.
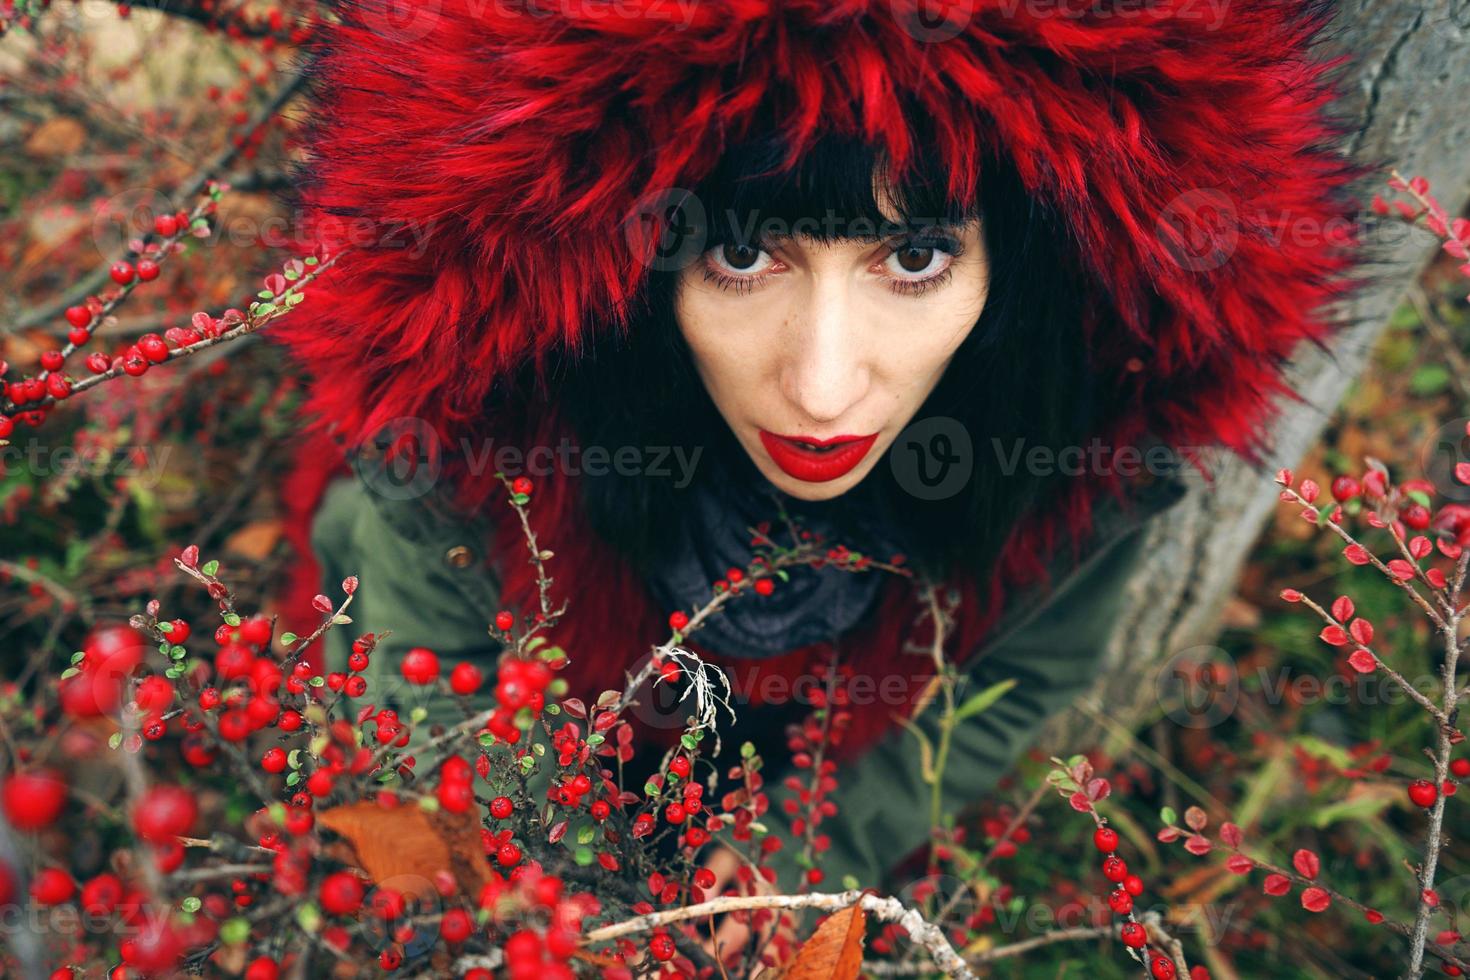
point(817, 460)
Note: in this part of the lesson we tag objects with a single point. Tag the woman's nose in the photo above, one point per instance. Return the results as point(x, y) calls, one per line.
point(827, 367)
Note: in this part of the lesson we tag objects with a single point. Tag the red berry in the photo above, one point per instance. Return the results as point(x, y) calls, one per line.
point(504, 621)
point(166, 225)
point(420, 666)
point(263, 968)
point(78, 316)
point(1460, 768)
point(1162, 967)
point(765, 586)
point(163, 813)
point(1120, 901)
point(1423, 792)
point(679, 765)
point(147, 270)
point(122, 273)
point(33, 800)
point(320, 783)
point(52, 886)
point(508, 855)
point(521, 486)
point(1114, 868)
point(661, 946)
point(674, 813)
point(465, 679)
point(600, 810)
point(456, 926)
point(1133, 885)
point(1345, 488)
point(1133, 935)
point(341, 893)
point(273, 761)
point(678, 620)
point(390, 959)
point(501, 807)
point(1105, 839)
point(153, 347)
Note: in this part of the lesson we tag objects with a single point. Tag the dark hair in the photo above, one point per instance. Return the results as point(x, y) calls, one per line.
point(1020, 377)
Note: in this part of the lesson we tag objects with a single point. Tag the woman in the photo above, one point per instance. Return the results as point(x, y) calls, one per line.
point(955, 290)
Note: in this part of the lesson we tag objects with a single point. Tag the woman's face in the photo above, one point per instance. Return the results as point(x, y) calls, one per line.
point(804, 344)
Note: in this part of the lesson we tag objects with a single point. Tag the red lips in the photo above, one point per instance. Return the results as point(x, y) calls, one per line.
point(817, 460)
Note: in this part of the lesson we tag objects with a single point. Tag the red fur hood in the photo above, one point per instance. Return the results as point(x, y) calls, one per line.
point(483, 158)
point(480, 158)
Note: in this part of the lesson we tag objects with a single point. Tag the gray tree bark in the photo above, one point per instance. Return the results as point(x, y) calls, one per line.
point(1408, 92)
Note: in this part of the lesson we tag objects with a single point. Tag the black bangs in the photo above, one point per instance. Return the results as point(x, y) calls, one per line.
point(841, 188)
point(1018, 383)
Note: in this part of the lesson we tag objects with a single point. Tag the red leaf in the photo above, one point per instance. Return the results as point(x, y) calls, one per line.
point(1098, 789)
point(1401, 569)
point(1362, 661)
point(1315, 900)
point(1436, 578)
point(574, 707)
point(1306, 863)
point(1462, 472)
point(1239, 864)
point(1420, 547)
point(1080, 802)
point(1310, 490)
point(1276, 885)
point(557, 832)
point(1362, 631)
point(1342, 609)
point(321, 604)
point(349, 584)
point(1356, 554)
point(1335, 635)
point(1283, 477)
point(1196, 818)
point(1168, 835)
point(1197, 845)
point(190, 557)
point(1230, 834)
point(1291, 595)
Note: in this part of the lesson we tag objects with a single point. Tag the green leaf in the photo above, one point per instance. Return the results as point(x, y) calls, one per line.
point(418, 714)
point(263, 309)
point(689, 741)
point(79, 656)
point(232, 618)
point(583, 856)
point(984, 699)
point(209, 567)
point(747, 749)
point(926, 750)
point(288, 638)
point(486, 739)
point(191, 904)
point(1429, 379)
point(234, 931)
point(309, 917)
point(291, 275)
point(552, 709)
point(114, 740)
point(310, 260)
point(528, 762)
point(596, 739)
point(292, 778)
point(173, 673)
point(341, 619)
point(586, 833)
point(165, 627)
point(1168, 816)
point(650, 788)
point(70, 672)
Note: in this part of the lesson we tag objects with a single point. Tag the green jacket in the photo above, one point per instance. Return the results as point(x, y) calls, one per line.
point(422, 578)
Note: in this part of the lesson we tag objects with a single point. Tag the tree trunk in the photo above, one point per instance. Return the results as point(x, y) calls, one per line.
point(1407, 91)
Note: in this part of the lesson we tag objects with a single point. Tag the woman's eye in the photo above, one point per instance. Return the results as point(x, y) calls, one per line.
point(911, 261)
point(741, 259)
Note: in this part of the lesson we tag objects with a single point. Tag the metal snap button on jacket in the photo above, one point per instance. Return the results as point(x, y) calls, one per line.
point(459, 557)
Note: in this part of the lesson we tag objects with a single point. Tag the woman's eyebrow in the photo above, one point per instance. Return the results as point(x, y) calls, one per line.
point(885, 231)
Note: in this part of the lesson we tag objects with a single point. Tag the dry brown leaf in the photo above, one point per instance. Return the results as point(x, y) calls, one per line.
point(59, 136)
point(834, 951)
point(403, 847)
point(256, 540)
